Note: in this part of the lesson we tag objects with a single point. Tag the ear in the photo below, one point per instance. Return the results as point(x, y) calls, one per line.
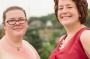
point(80, 15)
point(3, 24)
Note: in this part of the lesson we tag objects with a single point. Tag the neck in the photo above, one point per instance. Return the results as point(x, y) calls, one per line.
point(16, 39)
point(14, 42)
point(71, 30)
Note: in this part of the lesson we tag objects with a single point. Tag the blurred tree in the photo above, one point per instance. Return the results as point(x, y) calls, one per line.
point(32, 36)
point(88, 19)
point(46, 50)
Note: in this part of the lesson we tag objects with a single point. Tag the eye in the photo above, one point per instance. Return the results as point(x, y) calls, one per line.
point(22, 19)
point(69, 7)
point(11, 21)
point(60, 8)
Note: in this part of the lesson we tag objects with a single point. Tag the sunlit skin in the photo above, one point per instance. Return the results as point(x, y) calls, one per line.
point(13, 38)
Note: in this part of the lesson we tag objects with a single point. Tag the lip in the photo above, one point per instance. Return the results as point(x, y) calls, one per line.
point(65, 16)
point(17, 28)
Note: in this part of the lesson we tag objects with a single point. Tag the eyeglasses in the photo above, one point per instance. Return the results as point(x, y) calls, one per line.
point(13, 22)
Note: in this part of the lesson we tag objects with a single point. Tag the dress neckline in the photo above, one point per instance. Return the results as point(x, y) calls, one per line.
point(69, 40)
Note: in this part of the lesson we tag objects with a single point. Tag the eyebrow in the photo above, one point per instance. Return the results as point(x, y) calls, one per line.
point(66, 5)
point(18, 18)
point(12, 18)
point(69, 5)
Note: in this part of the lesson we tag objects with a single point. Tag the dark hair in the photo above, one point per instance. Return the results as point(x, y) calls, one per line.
point(82, 7)
point(12, 8)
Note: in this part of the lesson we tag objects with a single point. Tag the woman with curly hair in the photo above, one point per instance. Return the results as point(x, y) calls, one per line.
point(75, 44)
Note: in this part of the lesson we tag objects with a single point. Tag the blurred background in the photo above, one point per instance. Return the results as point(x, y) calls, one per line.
point(44, 29)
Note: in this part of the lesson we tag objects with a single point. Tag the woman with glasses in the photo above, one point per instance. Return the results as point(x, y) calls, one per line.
point(12, 45)
point(75, 44)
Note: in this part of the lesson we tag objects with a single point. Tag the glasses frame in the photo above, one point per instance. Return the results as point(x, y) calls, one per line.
point(15, 21)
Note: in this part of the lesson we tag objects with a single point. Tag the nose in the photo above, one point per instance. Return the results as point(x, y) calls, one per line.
point(17, 23)
point(64, 10)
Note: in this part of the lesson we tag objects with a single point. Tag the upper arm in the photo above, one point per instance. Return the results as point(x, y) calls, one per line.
point(85, 40)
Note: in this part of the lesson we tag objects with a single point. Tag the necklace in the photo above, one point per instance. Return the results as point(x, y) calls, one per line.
point(17, 48)
point(64, 42)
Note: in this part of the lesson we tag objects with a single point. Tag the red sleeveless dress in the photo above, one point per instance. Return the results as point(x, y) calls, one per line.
point(73, 50)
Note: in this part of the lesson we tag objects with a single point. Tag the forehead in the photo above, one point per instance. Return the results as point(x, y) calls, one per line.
point(66, 2)
point(15, 13)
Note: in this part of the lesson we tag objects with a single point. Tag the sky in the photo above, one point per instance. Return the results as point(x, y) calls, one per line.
point(35, 8)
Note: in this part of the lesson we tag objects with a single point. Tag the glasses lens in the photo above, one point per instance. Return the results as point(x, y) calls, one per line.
point(13, 22)
point(22, 21)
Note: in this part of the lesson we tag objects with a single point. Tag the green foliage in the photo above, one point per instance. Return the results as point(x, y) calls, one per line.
point(88, 19)
point(44, 19)
point(52, 18)
point(46, 50)
point(32, 36)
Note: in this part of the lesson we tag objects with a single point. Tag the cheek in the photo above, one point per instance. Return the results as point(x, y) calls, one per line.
point(78, 15)
point(6, 27)
point(58, 14)
point(25, 26)
point(8, 30)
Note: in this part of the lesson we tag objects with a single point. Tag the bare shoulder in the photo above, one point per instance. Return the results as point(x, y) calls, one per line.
point(85, 36)
point(31, 48)
point(85, 40)
point(28, 44)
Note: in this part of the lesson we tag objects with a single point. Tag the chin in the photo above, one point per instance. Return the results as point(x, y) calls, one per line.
point(65, 24)
point(19, 34)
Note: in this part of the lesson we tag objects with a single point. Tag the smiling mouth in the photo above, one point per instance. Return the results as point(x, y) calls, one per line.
point(65, 16)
